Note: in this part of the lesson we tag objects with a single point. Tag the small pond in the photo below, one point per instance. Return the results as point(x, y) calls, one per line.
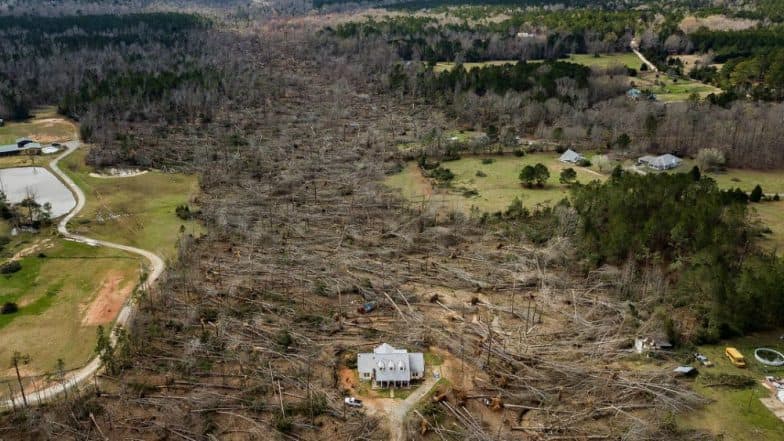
point(19, 182)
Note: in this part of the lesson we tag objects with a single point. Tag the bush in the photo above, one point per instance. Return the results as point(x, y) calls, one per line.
point(184, 212)
point(584, 162)
point(711, 159)
point(568, 176)
point(10, 267)
point(603, 163)
point(488, 161)
point(442, 175)
point(519, 153)
point(9, 308)
point(481, 174)
point(756, 194)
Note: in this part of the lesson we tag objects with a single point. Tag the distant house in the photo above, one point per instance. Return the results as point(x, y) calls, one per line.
point(387, 366)
point(663, 162)
point(22, 145)
point(571, 156)
point(634, 93)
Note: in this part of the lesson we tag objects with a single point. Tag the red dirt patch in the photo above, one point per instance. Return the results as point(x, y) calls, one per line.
point(107, 304)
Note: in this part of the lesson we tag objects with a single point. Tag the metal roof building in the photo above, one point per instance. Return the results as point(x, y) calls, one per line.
point(387, 366)
point(663, 162)
point(570, 156)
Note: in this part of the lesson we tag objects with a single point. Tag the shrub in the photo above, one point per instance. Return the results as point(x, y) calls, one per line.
point(481, 174)
point(488, 161)
point(603, 163)
point(9, 308)
point(711, 159)
point(183, 212)
point(519, 153)
point(756, 194)
point(442, 175)
point(568, 176)
point(584, 162)
point(10, 267)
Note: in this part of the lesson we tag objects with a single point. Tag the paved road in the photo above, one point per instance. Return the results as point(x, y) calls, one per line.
point(156, 264)
point(397, 414)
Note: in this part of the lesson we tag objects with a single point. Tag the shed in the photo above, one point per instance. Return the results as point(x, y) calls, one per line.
point(662, 162)
point(685, 371)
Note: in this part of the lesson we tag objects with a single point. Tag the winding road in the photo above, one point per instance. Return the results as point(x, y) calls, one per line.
point(157, 266)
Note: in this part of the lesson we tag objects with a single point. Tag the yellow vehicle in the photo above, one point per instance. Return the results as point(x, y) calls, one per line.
point(735, 357)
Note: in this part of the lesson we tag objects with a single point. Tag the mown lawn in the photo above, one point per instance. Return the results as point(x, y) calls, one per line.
point(737, 414)
point(137, 211)
point(496, 190)
point(668, 89)
point(628, 59)
point(53, 290)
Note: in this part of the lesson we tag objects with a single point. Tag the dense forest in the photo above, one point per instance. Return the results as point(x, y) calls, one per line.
point(123, 77)
point(684, 221)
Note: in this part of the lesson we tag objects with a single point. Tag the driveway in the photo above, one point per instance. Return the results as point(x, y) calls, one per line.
point(156, 268)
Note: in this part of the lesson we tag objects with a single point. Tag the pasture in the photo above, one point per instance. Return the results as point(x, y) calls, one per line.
point(737, 414)
point(46, 126)
point(492, 192)
point(137, 211)
point(63, 291)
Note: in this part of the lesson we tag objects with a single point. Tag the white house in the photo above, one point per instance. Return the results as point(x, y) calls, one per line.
point(663, 162)
point(571, 156)
point(390, 367)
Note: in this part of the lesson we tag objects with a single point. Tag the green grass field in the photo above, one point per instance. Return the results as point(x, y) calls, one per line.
point(737, 414)
point(45, 126)
point(137, 211)
point(53, 291)
point(628, 59)
point(448, 65)
point(496, 190)
point(671, 90)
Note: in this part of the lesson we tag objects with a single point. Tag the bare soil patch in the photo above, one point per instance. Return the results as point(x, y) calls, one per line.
point(107, 304)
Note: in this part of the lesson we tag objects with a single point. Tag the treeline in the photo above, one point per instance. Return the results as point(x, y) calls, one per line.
point(685, 221)
point(129, 80)
point(551, 79)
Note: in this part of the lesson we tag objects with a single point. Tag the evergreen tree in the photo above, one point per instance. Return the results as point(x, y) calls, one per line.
point(756, 194)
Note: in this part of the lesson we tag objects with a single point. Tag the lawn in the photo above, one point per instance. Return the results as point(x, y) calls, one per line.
point(628, 59)
point(669, 90)
point(448, 65)
point(771, 214)
point(137, 211)
point(496, 190)
point(45, 127)
point(53, 291)
point(737, 414)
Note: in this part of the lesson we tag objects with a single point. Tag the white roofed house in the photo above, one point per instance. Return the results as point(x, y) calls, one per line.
point(571, 156)
point(663, 162)
point(388, 367)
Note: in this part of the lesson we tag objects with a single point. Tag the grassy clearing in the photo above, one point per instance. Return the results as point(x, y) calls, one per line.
point(137, 211)
point(669, 90)
point(628, 59)
point(448, 65)
point(52, 293)
point(496, 190)
point(45, 126)
point(771, 214)
point(738, 414)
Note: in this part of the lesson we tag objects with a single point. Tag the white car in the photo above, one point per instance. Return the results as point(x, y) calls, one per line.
point(353, 402)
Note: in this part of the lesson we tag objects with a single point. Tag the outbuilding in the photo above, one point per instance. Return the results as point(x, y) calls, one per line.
point(662, 162)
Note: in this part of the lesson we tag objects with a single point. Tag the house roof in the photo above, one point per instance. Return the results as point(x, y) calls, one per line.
point(8, 148)
point(570, 156)
point(391, 364)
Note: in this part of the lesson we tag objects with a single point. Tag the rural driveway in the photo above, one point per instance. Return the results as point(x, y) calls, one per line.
point(156, 263)
point(397, 414)
point(634, 45)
